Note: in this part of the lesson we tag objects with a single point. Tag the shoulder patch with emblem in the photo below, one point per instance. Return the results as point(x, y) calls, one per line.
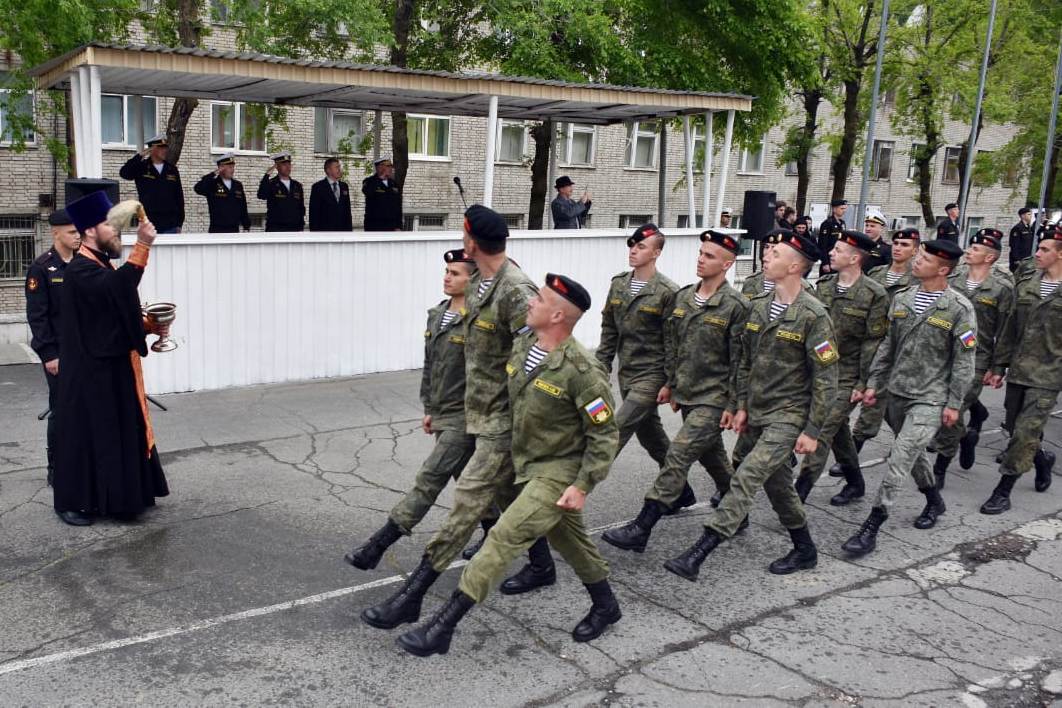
point(825, 351)
point(968, 338)
point(549, 388)
point(32, 284)
point(598, 410)
point(510, 369)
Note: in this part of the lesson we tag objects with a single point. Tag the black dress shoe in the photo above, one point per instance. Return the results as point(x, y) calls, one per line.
point(434, 637)
point(538, 573)
point(604, 611)
point(933, 509)
point(1044, 463)
point(687, 498)
point(75, 518)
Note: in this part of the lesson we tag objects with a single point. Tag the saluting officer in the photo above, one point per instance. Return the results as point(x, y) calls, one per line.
point(226, 199)
point(383, 199)
point(831, 230)
point(158, 185)
point(948, 228)
point(44, 279)
point(284, 198)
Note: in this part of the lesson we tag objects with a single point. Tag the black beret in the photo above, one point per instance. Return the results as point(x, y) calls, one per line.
point(1024, 210)
point(484, 224)
point(1052, 232)
point(943, 248)
point(59, 217)
point(720, 239)
point(569, 290)
point(839, 202)
point(804, 245)
point(950, 205)
point(860, 240)
point(643, 232)
point(993, 238)
point(774, 236)
point(909, 233)
point(457, 255)
point(563, 181)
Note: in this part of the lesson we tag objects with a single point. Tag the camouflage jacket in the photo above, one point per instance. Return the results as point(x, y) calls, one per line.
point(492, 322)
point(703, 347)
point(564, 428)
point(632, 328)
point(1026, 269)
point(1032, 343)
point(442, 383)
point(753, 285)
point(928, 357)
point(880, 276)
point(860, 318)
point(993, 301)
point(788, 371)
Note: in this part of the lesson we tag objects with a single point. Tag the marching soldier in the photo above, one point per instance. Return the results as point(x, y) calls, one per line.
point(226, 199)
point(831, 230)
point(383, 199)
point(632, 329)
point(927, 364)
point(564, 440)
point(158, 185)
point(786, 383)
point(1030, 356)
point(992, 295)
point(1022, 238)
point(44, 281)
point(703, 347)
point(874, 226)
point(284, 198)
point(948, 228)
point(859, 308)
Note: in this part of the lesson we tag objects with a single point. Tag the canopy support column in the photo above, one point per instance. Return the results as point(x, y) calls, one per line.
point(691, 222)
point(708, 145)
point(728, 138)
point(488, 164)
point(77, 125)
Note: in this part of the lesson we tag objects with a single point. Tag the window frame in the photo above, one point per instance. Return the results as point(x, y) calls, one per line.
point(634, 134)
point(125, 122)
point(329, 114)
point(743, 159)
point(423, 157)
point(5, 142)
point(875, 160)
point(237, 132)
point(944, 173)
point(570, 129)
point(506, 123)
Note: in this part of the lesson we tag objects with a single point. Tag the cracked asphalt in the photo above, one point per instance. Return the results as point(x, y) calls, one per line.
point(233, 590)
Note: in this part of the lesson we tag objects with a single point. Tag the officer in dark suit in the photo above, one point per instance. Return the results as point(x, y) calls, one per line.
point(832, 228)
point(1022, 238)
point(383, 200)
point(44, 281)
point(284, 198)
point(225, 197)
point(948, 228)
point(158, 185)
point(330, 201)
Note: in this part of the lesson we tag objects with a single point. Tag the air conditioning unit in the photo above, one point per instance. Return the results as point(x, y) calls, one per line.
point(897, 224)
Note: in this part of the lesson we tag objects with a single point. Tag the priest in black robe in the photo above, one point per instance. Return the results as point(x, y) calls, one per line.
point(106, 464)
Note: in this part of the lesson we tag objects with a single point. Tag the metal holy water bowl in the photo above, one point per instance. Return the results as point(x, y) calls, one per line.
point(161, 313)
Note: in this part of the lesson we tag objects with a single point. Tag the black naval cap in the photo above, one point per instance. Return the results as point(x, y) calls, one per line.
point(457, 255)
point(993, 238)
point(643, 232)
point(910, 233)
point(858, 239)
point(1023, 211)
point(568, 289)
point(950, 205)
point(720, 239)
point(774, 236)
point(59, 217)
point(839, 202)
point(803, 245)
point(484, 224)
point(943, 248)
point(1052, 232)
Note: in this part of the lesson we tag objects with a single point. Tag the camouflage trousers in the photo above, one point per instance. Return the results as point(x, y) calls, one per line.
point(452, 451)
point(836, 418)
point(532, 514)
point(700, 438)
point(766, 465)
point(488, 474)
point(946, 442)
point(1028, 427)
point(914, 423)
point(638, 415)
point(867, 426)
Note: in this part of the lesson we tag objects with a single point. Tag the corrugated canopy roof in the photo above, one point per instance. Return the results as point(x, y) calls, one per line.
point(261, 78)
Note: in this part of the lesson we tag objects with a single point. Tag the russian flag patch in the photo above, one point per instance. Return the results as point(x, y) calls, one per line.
point(825, 351)
point(598, 411)
point(968, 339)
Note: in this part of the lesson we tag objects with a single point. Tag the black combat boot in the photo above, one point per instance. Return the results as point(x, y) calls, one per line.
point(538, 573)
point(837, 469)
point(803, 487)
point(717, 498)
point(688, 565)
point(1045, 463)
point(1000, 499)
point(968, 448)
point(404, 605)
point(866, 538)
point(687, 498)
point(854, 488)
point(635, 535)
point(604, 611)
point(940, 469)
point(367, 556)
point(434, 637)
point(978, 416)
point(804, 555)
point(934, 508)
point(473, 549)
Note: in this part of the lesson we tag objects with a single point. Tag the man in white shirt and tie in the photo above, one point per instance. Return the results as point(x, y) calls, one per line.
point(330, 201)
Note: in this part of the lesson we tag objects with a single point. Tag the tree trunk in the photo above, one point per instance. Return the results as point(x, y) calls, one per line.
point(190, 33)
point(812, 99)
point(924, 160)
point(842, 162)
point(543, 136)
point(401, 25)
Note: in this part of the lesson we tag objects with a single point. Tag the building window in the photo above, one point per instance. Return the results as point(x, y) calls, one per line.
point(219, 12)
point(337, 131)
point(512, 141)
point(117, 120)
point(684, 221)
point(16, 116)
point(577, 144)
point(18, 244)
point(632, 221)
point(951, 165)
point(752, 158)
point(429, 137)
point(881, 162)
point(238, 127)
point(424, 222)
point(974, 224)
point(258, 220)
point(514, 221)
point(911, 221)
point(912, 166)
point(791, 169)
point(1010, 174)
point(642, 144)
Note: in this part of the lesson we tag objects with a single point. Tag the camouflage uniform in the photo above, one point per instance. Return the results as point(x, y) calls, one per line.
point(632, 328)
point(702, 354)
point(993, 301)
point(564, 434)
point(491, 324)
point(860, 318)
point(926, 363)
point(787, 381)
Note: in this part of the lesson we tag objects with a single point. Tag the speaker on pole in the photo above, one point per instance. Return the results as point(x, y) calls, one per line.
point(78, 187)
point(757, 218)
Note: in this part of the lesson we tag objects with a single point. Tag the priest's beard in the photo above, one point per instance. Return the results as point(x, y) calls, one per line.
point(112, 244)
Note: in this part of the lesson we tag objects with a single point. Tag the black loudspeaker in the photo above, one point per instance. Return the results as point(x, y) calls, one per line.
point(757, 215)
point(79, 187)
